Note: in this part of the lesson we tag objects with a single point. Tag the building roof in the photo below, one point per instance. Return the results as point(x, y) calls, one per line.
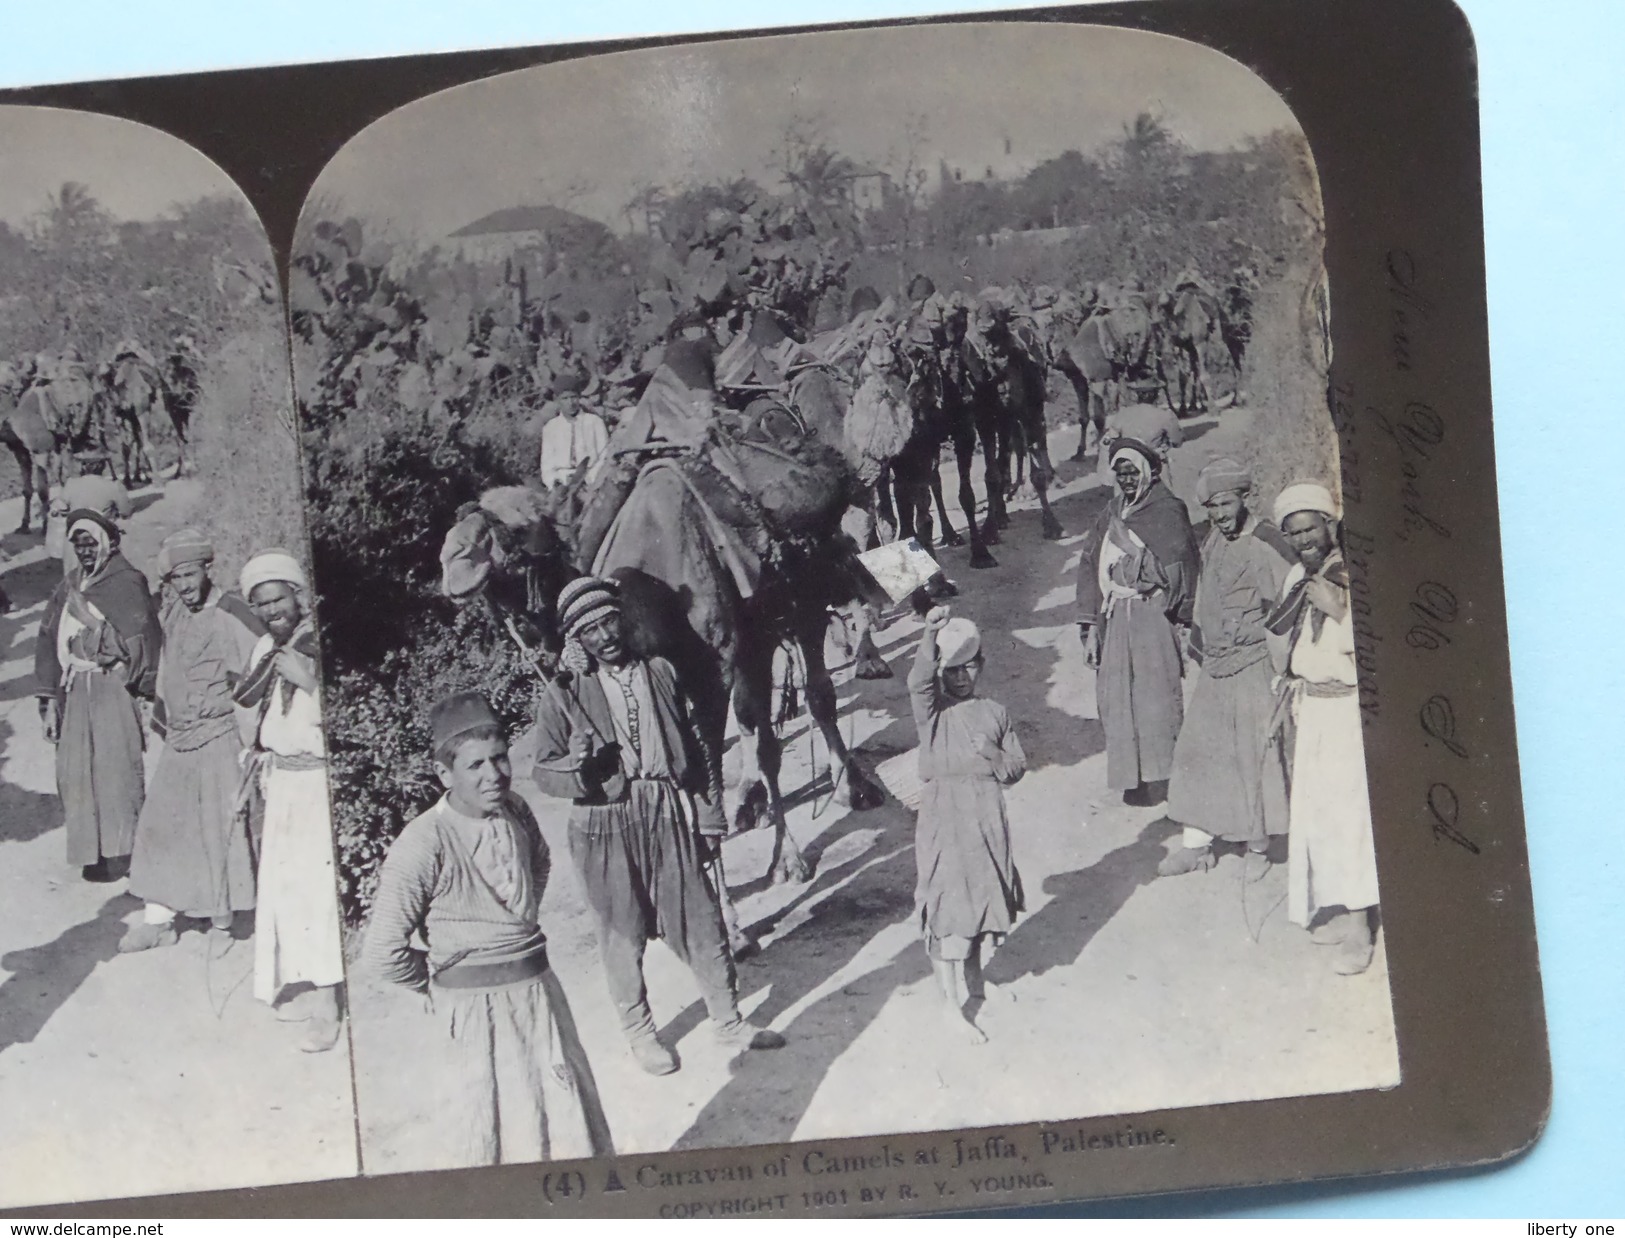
point(512, 219)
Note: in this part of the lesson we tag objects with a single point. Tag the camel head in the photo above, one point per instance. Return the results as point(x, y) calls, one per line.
point(505, 552)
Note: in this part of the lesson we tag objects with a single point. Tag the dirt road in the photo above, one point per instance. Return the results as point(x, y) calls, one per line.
point(1122, 992)
point(127, 1075)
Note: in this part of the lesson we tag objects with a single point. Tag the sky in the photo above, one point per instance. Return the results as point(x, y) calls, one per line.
point(133, 171)
point(589, 133)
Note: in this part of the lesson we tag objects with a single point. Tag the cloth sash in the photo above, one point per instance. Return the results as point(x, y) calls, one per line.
point(80, 617)
point(1122, 558)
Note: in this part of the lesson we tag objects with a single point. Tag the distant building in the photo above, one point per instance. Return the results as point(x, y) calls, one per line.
point(515, 231)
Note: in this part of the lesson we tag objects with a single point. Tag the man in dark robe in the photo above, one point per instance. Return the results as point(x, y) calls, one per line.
point(1218, 789)
point(1136, 582)
point(614, 735)
point(97, 657)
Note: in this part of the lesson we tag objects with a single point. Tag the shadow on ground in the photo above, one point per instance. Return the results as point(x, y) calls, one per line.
point(45, 977)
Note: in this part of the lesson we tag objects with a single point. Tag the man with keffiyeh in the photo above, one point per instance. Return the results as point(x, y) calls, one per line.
point(1331, 859)
point(96, 658)
point(1218, 791)
point(296, 927)
point(192, 856)
point(614, 735)
point(1136, 584)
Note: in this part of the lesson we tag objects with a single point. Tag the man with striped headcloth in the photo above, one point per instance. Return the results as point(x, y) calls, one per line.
point(296, 929)
point(1217, 790)
point(96, 657)
point(1332, 859)
point(1136, 578)
point(192, 853)
point(615, 736)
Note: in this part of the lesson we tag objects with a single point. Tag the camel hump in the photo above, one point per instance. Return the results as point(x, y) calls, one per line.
point(29, 423)
point(1089, 351)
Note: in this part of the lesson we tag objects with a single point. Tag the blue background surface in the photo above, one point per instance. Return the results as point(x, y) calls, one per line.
point(1553, 113)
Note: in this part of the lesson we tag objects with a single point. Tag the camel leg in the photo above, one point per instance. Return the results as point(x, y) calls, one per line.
point(25, 466)
point(1015, 449)
point(1080, 389)
point(852, 787)
point(180, 448)
point(965, 459)
point(949, 536)
point(149, 458)
point(1042, 471)
point(886, 515)
point(866, 660)
point(760, 757)
point(987, 434)
point(915, 493)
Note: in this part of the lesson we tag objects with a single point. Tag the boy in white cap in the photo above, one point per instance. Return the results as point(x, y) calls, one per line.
point(969, 891)
point(614, 736)
point(1332, 861)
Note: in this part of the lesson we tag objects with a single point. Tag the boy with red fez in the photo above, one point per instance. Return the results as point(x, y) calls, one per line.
point(1218, 790)
point(467, 877)
point(615, 736)
point(192, 853)
point(1136, 579)
point(96, 657)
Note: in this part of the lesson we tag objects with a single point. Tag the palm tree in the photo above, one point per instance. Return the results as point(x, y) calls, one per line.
point(74, 214)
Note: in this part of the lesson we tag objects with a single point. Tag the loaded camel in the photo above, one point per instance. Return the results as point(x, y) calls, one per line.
point(723, 532)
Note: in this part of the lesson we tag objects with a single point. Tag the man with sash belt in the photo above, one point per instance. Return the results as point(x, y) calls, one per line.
point(95, 659)
point(1331, 862)
point(296, 925)
point(1218, 789)
point(614, 735)
point(467, 876)
point(1136, 580)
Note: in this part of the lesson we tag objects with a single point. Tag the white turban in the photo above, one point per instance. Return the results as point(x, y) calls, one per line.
point(1306, 496)
point(958, 643)
point(271, 565)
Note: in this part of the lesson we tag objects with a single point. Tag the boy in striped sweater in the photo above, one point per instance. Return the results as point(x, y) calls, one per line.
point(467, 876)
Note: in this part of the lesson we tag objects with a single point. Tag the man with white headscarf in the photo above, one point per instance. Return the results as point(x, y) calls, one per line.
point(1332, 862)
point(1218, 791)
point(95, 658)
point(296, 929)
point(1136, 580)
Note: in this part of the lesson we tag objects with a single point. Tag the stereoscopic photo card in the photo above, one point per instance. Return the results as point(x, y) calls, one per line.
point(862, 620)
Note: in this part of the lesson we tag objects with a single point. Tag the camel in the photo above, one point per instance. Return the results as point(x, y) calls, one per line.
point(134, 390)
point(1117, 346)
point(48, 417)
point(24, 431)
point(1191, 318)
point(1007, 402)
point(651, 523)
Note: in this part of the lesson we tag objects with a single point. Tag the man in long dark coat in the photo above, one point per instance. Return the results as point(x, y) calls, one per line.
point(614, 736)
point(1136, 584)
point(95, 659)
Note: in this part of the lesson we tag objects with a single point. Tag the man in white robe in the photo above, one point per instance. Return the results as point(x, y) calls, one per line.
point(573, 438)
point(1332, 861)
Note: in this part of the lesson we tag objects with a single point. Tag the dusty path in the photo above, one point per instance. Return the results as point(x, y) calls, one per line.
point(139, 1074)
point(1124, 993)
